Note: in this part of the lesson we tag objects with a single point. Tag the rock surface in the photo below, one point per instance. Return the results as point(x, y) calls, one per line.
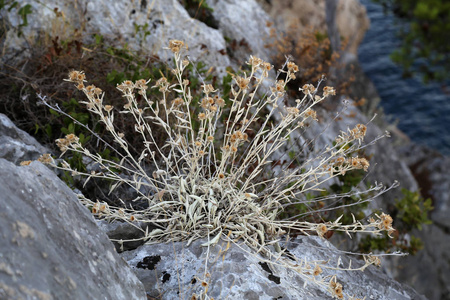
point(17, 145)
point(429, 270)
point(169, 20)
point(244, 23)
point(235, 274)
point(119, 22)
point(351, 19)
point(51, 247)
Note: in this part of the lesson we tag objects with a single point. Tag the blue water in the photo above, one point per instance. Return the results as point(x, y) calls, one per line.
point(422, 111)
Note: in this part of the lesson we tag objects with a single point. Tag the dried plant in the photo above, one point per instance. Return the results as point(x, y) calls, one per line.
point(312, 51)
point(213, 177)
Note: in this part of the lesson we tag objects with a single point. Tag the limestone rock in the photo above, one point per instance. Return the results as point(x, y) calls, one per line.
point(244, 23)
point(119, 22)
point(125, 231)
point(431, 170)
point(351, 18)
point(16, 144)
point(173, 270)
point(51, 247)
point(429, 270)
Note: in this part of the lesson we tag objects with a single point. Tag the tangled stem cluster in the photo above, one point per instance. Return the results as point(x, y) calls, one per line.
point(213, 176)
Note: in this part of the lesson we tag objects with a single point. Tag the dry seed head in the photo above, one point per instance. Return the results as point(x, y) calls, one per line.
point(328, 90)
point(141, 84)
point(62, 144)
point(162, 84)
point(308, 89)
point(177, 102)
point(254, 61)
point(242, 83)
point(359, 131)
point(386, 222)
point(204, 103)
point(108, 108)
point(267, 66)
point(292, 67)
point(374, 260)
point(321, 229)
point(338, 291)
point(208, 88)
point(317, 270)
point(293, 111)
point(126, 87)
point(90, 88)
point(81, 77)
point(72, 138)
point(310, 113)
point(340, 160)
point(202, 116)
point(279, 87)
point(97, 91)
point(103, 207)
point(45, 158)
point(176, 45)
point(359, 163)
point(74, 76)
point(220, 102)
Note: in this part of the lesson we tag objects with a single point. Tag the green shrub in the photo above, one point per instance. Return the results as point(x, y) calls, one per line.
point(411, 212)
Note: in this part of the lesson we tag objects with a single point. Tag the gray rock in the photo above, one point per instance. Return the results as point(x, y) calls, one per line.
point(51, 247)
point(386, 166)
point(116, 21)
point(431, 170)
point(245, 22)
point(174, 271)
point(16, 144)
point(131, 234)
point(428, 271)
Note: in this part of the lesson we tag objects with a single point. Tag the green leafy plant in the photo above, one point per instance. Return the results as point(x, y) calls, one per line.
point(22, 12)
point(424, 37)
point(411, 212)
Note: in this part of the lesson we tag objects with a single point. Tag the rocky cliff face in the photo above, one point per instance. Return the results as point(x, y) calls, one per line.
point(245, 23)
point(350, 18)
point(51, 247)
